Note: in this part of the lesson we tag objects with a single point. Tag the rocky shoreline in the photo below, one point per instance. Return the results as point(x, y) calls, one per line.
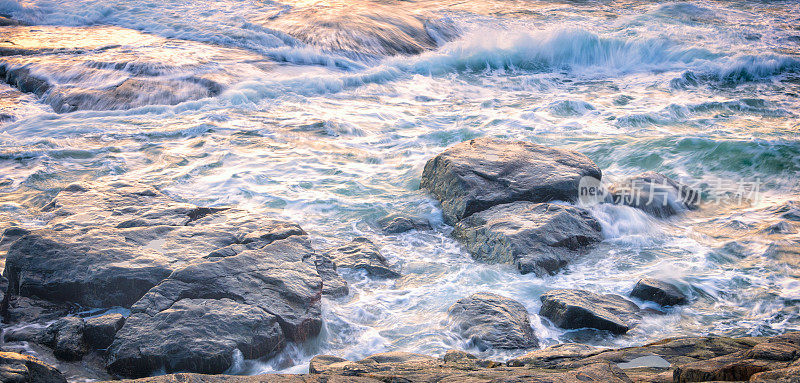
point(686, 359)
point(126, 275)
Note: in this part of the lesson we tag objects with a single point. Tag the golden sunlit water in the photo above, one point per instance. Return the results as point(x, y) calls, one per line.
point(325, 112)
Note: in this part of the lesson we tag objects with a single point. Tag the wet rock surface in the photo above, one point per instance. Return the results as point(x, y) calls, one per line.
point(332, 283)
point(253, 301)
point(364, 28)
point(685, 359)
point(194, 335)
point(201, 282)
point(363, 254)
point(19, 368)
point(574, 309)
point(475, 175)
point(65, 336)
point(492, 321)
point(128, 68)
point(99, 331)
point(400, 224)
point(663, 293)
point(108, 244)
point(655, 194)
point(538, 238)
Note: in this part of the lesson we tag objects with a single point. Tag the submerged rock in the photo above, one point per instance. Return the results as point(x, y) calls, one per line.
point(663, 293)
point(574, 309)
point(538, 238)
point(110, 243)
point(476, 175)
point(364, 28)
point(194, 320)
point(655, 194)
point(396, 225)
point(362, 254)
point(493, 321)
point(18, 368)
point(111, 68)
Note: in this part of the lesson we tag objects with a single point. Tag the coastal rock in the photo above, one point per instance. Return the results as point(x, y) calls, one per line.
point(18, 368)
point(364, 28)
point(127, 68)
point(655, 194)
point(407, 367)
point(775, 354)
point(322, 363)
point(33, 310)
point(538, 238)
point(551, 357)
point(99, 331)
point(332, 283)
point(573, 309)
point(362, 254)
point(493, 321)
point(199, 335)
point(477, 174)
point(65, 336)
point(663, 293)
point(252, 301)
point(396, 225)
point(109, 243)
point(659, 361)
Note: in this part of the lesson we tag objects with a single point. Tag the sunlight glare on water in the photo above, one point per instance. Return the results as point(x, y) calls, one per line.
point(325, 113)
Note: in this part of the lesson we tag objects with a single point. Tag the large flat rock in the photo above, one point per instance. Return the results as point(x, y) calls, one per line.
point(492, 321)
point(194, 320)
point(109, 243)
point(477, 174)
point(538, 238)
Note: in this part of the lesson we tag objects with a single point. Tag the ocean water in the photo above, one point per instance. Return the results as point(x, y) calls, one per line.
point(325, 112)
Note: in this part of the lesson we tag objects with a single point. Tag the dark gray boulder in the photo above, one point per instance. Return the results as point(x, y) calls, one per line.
point(109, 243)
point(663, 293)
point(332, 283)
point(99, 331)
point(538, 238)
point(65, 336)
point(194, 320)
point(362, 254)
point(493, 321)
point(18, 368)
point(198, 335)
point(477, 174)
point(655, 194)
point(399, 224)
point(574, 309)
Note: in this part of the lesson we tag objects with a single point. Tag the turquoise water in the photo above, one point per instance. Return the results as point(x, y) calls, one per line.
point(331, 127)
